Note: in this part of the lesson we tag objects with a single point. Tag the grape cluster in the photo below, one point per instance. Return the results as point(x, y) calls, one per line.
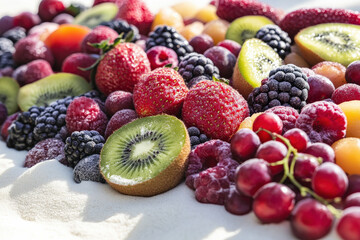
point(281, 176)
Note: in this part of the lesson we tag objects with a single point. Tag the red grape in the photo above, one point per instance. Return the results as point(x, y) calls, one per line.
point(321, 150)
point(251, 175)
point(305, 166)
point(349, 224)
point(244, 144)
point(329, 181)
point(311, 219)
point(298, 138)
point(352, 200)
point(237, 203)
point(273, 202)
point(269, 121)
point(272, 151)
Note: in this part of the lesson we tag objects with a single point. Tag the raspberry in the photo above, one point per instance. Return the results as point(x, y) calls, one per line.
point(98, 34)
point(36, 70)
point(31, 48)
point(51, 148)
point(5, 126)
point(323, 122)
point(119, 119)
point(88, 170)
point(82, 144)
point(160, 56)
point(288, 116)
point(48, 9)
point(27, 20)
point(117, 101)
point(85, 114)
point(75, 61)
point(346, 92)
point(207, 155)
point(212, 185)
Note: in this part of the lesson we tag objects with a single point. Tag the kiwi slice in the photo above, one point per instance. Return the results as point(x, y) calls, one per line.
point(49, 89)
point(244, 28)
point(255, 61)
point(92, 17)
point(336, 42)
point(147, 156)
point(9, 90)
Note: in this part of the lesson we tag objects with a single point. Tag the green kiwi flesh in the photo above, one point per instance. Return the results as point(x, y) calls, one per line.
point(255, 61)
point(147, 156)
point(92, 17)
point(336, 42)
point(246, 27)
point(9, 90)
point(51, 88)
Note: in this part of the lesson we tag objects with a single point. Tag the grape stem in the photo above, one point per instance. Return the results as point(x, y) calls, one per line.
point(289, 172)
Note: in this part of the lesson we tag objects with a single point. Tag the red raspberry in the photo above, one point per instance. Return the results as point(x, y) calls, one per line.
point(229, 10)
point(323, 122)
point(97, 35)
point(26, 20)
point(215, 108)
point(288, 116)
point(118, 100)
point(36, 70)
point(51, 148)
point(48, 9)
point(31, 48)
point(85, 114)
point(75, 61)
point(119, 119)
point(5, 126)
point(212, 185)
point(207, 155)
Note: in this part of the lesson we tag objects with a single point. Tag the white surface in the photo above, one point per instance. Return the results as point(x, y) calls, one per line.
point(45, 203)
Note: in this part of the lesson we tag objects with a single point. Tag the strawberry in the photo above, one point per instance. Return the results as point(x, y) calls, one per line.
point(160, 91)
point(137, 13)
point(294, 21)
point(215, 108)
point(121, 68)
point(229, 10)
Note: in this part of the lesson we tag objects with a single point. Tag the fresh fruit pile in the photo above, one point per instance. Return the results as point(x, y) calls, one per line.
point(258, 109)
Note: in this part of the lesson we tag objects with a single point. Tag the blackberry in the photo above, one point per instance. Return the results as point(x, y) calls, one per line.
point(6, 60)
point(195, 65)
point(168, 37)
point(82, 144)
point(286, 86)
point(122, 26)
point(276, 38)
point(21, 136)
point(6, 45)
point(196, 137)
point(15, 34)
point(50, 122)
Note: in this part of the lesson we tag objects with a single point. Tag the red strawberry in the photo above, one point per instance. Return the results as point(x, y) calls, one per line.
point(161, 91)
point(121, 68)
point(231, 9)
point(136, 12)
point(215, 108)
point(294, 21)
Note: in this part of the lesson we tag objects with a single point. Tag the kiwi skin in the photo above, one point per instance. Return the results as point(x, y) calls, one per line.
point(164, 181)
